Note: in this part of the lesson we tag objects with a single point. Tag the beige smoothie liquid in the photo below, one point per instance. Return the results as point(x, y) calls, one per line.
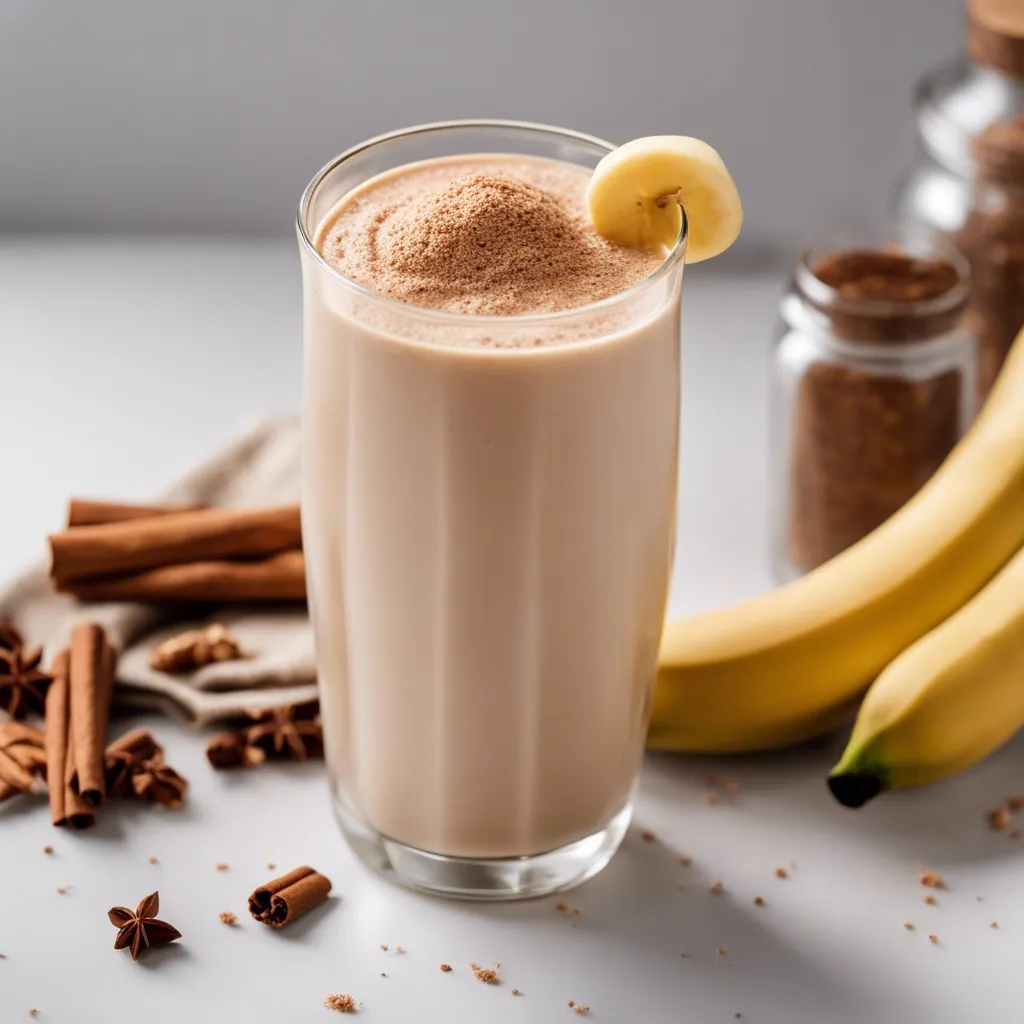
point(489, 504)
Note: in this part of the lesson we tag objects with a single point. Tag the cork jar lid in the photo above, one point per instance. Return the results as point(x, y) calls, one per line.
point(995, 34)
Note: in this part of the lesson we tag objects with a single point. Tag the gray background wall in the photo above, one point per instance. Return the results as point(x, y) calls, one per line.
point(210, 115)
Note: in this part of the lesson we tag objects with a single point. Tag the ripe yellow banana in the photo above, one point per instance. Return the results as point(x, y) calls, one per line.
point(786, 666)
point(947, 701)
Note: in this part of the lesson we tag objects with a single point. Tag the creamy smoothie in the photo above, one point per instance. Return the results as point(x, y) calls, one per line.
point(489, 503)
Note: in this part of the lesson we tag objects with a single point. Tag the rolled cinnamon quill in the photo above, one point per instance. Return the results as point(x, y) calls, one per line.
point(91, 687)
point(118, 548)
point(66, 806)
point(281, 577)
point(286, 899)
point(86, 512)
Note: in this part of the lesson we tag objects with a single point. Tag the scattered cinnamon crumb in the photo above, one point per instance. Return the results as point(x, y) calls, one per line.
point(33, 1012)
point(343, 1003)
point(383, 974)
point(685, 954)
point(222, 866)
point(562, 906)
point(732, 787)
point(384, 946)
point(648, 836)
point(712, 799)
point(999, 818)
point(781, 873)
point(1016, 803)
point(737, 1014)
point(271, 866)
point(576, 912)
point(717, 888)
point(516, 992)
point(758, 901)
point(933, 939)
point(930, 900)
point(226, 917)
point(721, 951)
point(685, 861)
point(488, 975)
point(62, 889)
point(570, 1004)
point(980, 899)
point(932, 879)
point(580, 1009)
point(153, 860)
point(47, 848)
point(446, 968)
point(909, 925)
point(993, 924)
point(1015, 833)
point(710, 779)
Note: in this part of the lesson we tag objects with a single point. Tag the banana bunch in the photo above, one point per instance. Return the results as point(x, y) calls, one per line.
point(936, 594)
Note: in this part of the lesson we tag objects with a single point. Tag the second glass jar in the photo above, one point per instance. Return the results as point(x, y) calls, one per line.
point(874, 382)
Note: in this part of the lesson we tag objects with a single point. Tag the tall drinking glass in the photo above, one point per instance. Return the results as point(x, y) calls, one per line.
point(488, 510)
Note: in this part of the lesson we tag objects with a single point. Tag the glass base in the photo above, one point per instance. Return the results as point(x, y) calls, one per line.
point(469, 878)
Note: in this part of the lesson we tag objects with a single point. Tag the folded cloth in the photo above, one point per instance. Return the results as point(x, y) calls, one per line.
point(259, 468)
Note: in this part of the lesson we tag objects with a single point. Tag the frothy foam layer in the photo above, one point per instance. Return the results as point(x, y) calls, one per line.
point(480, 235)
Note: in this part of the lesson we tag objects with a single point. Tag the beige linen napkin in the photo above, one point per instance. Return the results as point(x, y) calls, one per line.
point(260, 468)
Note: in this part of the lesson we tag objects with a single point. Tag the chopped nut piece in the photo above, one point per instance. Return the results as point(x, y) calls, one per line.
point(580, 1009)
point(488, 975)
point(562, 906)
point(62, 889)
point(909, 925)
point(222, 866)
point(47, 848)
point(933, 939)
point(570, 1004)
point(993, 924)
point(712, 799)
point(999, 818)
point(781, 873)
point(384, 946)
point(932, 879)
point(194, 649)
point(153, 860)
point(271, 866)
point(931, 901)
point(717, 889)
point(446, 968)
point(648, 836)
point(226, 917)
point(343, 1003)
point(398, 949)
point(685, 861)
point(758, 901)
point(516, 992)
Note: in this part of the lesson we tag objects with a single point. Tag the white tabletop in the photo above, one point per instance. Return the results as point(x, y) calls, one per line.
point(124, 361)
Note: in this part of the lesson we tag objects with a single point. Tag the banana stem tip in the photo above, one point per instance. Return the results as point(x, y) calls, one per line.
point(855, 789)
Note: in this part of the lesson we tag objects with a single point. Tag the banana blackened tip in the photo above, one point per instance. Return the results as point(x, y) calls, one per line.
point(855, 789)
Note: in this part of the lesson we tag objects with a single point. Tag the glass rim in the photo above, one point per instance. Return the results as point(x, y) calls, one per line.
point(826, 297)
point(465, 319)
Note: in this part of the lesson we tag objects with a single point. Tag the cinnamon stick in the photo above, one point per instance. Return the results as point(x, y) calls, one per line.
point(66, 806)
point(86, 512)
point(177, 538)
point(286, 899)
point(281, 577)
point(91, 687)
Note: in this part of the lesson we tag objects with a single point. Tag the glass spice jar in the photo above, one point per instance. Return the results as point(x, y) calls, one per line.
point(874, 382)
point(968, 177)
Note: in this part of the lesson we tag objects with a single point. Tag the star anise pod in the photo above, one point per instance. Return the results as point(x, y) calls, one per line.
point(141, 929)
point(292, 732)
point(22, 685)
point(123, 758)
point(153, 780)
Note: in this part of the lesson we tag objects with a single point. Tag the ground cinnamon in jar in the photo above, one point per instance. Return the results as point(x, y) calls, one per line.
point(993, 240)
point(881, 400)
